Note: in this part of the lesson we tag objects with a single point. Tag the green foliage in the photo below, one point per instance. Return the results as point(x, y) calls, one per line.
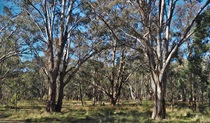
point(23, 81)
point(202, 31)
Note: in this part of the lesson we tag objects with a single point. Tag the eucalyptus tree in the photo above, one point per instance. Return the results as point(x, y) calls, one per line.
point(62, 27)
point(9, 79)
point(109, 74)
point(116, 73)
point(10, 45)
point(112, 74)
point(159, 27)
point(195, 72)
point(9, 42)
point(31, 80)
point(93, 72)
point(138, 82)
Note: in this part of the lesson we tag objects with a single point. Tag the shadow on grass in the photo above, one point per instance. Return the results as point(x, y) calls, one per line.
point(125, 113)
point(88, 119)
point(23, 107)
point(44, 119)
point(204, 109)
point(4, 115)
point(103, 114)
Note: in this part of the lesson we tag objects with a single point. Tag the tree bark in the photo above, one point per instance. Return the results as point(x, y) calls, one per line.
point(60, 97)
point(183, 95)
point(194, 106)
point(113, 101)
point(94, 94)
point(131, 92)
point(80, 94)
point(1, 91)
point(208, 93)
point(51, 102)
point(159, 111)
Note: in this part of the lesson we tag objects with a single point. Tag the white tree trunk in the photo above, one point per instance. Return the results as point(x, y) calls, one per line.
point(159, 110)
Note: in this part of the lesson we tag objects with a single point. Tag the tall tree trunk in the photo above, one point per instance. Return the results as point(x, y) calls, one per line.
point(60, 99)
point(172, 101)
point(194, 106)
point(159, 111)
point(94, 93)
point(1, 95)
point(202, 96)
point(51, 102)
point(208, 93)
point(159, 104)
point(113, 101)
point(183, 95)
point(191, 92)
point(80, 93)
point(60, 96)
point(131, 92)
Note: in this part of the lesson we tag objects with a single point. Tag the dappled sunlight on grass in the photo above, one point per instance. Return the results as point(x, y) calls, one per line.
point(73, 111)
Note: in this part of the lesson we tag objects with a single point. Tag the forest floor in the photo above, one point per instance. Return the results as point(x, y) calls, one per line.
point(73, 111)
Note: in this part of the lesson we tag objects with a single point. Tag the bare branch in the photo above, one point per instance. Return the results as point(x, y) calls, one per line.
point(3, 28)
point(32, 17)
point(134, 37)
point(36, 8)
point(7, 55)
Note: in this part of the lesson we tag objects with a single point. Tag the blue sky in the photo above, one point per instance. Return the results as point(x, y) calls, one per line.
point(1, 6)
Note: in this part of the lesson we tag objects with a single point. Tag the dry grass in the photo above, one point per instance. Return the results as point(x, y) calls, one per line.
point(73, 111)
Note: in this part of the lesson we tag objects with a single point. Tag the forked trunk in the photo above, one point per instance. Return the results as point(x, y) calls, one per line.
point(115, 97)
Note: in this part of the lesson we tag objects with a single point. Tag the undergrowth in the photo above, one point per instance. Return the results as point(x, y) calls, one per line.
point(73, 111)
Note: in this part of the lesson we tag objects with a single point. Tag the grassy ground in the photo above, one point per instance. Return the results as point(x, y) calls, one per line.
point(72, 111)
